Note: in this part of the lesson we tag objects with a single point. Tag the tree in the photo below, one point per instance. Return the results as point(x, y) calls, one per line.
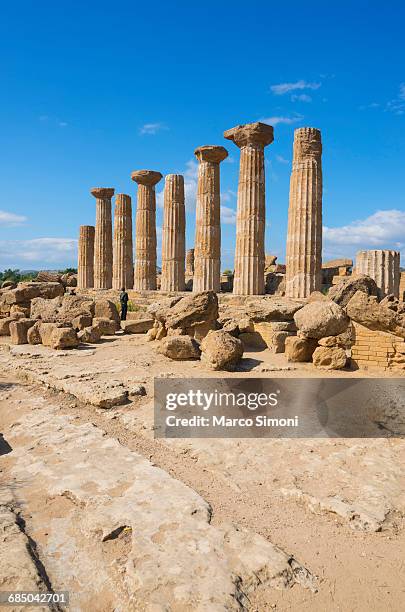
point(68, 271)
point(10, 275)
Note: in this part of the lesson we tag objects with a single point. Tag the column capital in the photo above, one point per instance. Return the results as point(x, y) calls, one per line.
point(102, 193)
point(211, 153)
point(251, 134)
point(146, 177)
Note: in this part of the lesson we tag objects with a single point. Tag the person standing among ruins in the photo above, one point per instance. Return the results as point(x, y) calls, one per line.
point(124, 304)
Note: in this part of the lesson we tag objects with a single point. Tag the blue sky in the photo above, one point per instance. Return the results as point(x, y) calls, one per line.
point(94, 90)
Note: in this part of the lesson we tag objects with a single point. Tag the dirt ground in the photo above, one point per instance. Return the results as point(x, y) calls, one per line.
point(334, 506)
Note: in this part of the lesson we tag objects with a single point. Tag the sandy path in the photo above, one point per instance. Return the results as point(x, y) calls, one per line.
point(357, 570)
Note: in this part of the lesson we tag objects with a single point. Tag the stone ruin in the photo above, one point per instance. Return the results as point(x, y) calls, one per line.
point(361, 321)
point(104, 263)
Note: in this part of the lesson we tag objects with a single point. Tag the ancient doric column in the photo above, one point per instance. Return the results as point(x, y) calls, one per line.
point(173, 234)
point(85, 264)
point(207, 248)
point(103, 259)
point(383, 267)
point(250, 222)
point(190, 262)
point(145, 230)
point(304, 235)
point(123, 269)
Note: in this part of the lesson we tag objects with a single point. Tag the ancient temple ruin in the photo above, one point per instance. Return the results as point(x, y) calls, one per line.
point(383, 267)
point(106, 259)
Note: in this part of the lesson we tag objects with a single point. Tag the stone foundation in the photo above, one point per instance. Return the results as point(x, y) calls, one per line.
point(377, 349)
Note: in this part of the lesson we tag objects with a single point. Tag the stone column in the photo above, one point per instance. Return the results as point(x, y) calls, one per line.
point(103, 238)
point(190, 262)
point(304, 234)
point(383, 267)
point(250, 221)
point(207, 251)
point(173, 234)
point(145, 230)
point(123, 269)
point(85, 264)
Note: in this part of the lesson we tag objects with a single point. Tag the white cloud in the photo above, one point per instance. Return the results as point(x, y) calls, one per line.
point(228, 215)
point(280, 119)
point(38, 252)
point(301, 98)
point(9, 219)
point(283, 88)
point(281, 159)
point(383, 229)
point(152, 128)
point(397, 105)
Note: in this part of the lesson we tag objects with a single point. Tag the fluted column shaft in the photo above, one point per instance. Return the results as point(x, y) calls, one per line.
point(304, 235)
point(173, 234)
point(383, 266)
point(85, 264)
point(103, 252)
point(207, 248)
point(250, 220)
point(190, 262)
point(145, 236)
point(123, 269)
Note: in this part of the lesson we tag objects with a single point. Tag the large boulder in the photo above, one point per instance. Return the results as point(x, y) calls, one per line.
point(46, 310)
point(320, 319)
point(19, 330)
point(192, 310)
point(69, 280)
point(345, 290)
point(137, 326)
point(393, 303)
point(82, 321)
point(264, 310)
point(106, 309)
point(159, 308)
point(344, 340)
point(379, 317)
point(329, 357)
point(179, 348)
point(46, 330)
point(106, 327)
point(273, 309)
point(5, 326)
point(299, 349)
point(64, 309)
point(63, 338)
point(25, 292)
point(221, 351)
point(7, 284)
point(89, 335)
point(48, 276)
point(75, 305)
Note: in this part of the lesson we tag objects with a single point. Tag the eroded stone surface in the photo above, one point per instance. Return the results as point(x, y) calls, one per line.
point(145, 539)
